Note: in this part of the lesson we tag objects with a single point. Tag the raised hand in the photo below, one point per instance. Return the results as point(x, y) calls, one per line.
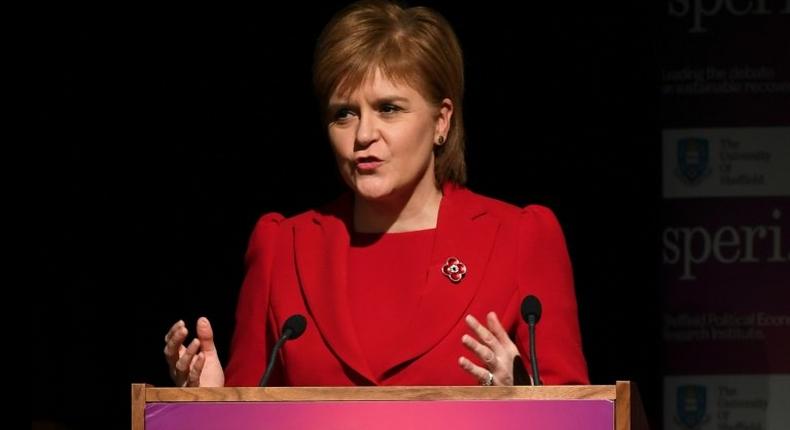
point(197, 364)
point(494, 348)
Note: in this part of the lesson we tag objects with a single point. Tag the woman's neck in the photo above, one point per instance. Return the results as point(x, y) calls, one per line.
point(414, 211)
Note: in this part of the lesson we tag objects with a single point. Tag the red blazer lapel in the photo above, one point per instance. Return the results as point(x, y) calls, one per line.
point(321, 252)
point(466, 232)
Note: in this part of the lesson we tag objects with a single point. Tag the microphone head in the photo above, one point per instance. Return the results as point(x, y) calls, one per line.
point(294, 326)
point(530, 307)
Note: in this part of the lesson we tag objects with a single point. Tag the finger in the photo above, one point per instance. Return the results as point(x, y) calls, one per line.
point(483, 352)
point(206, 335)
point(497, 330)
point(484, 335)
point(174, 346)
point(478, 372)
point(184, 362)
point(173, 329)
point(195, 370)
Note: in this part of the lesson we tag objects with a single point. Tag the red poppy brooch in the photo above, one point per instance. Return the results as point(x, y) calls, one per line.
point(454, 269)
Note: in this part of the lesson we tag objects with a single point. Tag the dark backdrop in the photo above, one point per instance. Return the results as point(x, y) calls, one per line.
point(167, 133)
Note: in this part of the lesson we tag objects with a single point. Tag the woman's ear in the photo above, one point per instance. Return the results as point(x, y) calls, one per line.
point(443, 121)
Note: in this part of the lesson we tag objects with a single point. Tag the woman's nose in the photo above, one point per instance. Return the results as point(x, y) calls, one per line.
point(367, 131)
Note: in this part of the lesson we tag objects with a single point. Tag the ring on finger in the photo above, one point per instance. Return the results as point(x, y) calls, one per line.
point(489, 381)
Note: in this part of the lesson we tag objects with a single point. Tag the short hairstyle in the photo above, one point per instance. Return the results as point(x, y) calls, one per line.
point(415, 46)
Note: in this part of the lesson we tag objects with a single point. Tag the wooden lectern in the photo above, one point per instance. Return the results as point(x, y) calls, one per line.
point(497, 408)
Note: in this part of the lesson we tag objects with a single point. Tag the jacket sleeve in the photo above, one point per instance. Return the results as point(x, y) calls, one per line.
point(545, 272)
point(249, 346)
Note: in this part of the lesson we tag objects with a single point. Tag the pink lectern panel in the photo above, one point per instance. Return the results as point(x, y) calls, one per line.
point(376, 415)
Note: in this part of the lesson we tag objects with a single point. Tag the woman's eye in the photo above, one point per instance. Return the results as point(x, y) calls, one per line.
point(389, 108)
point(342, 113)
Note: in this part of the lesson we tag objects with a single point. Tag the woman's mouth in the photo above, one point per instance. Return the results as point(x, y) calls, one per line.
point(367, 164)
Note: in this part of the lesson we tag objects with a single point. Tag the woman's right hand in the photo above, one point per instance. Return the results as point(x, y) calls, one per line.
point(197, 364)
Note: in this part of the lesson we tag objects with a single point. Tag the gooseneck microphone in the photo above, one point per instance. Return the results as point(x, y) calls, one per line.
point(530, 311)
point(293, 328)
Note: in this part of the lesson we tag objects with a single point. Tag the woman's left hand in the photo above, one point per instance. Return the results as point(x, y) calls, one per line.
point(495, 350)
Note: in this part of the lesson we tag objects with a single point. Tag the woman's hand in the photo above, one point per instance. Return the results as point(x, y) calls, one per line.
point(195, 365)
point(496, 351)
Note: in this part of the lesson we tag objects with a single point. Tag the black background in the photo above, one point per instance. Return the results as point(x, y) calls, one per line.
point(170, 131)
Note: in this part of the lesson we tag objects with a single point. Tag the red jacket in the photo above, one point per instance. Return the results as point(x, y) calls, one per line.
point(297, 266)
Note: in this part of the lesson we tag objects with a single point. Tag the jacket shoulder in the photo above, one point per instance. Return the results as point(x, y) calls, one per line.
point(531, 216)
point(496, 207)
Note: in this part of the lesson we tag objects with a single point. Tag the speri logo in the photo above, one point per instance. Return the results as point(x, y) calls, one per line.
point(729, 244)
point(699, 9)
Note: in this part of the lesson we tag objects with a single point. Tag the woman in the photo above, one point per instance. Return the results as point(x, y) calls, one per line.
point(410, 279)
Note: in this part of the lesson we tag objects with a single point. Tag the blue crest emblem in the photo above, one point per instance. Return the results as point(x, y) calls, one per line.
point(693, 158)
point(690, 405)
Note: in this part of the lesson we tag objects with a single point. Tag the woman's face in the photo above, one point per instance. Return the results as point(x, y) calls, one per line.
point(383, 135)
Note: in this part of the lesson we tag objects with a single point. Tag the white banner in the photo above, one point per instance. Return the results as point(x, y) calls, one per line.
point(726, 162)
point(724, 402)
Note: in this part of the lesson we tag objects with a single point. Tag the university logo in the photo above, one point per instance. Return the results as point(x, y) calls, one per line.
point(692, 159)
point(690, 406)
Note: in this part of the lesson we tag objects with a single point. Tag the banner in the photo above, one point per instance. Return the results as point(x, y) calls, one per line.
point(725, 238)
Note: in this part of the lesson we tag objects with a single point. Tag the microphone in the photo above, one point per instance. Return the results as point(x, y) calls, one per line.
point(293, 328)
point(530, 312)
